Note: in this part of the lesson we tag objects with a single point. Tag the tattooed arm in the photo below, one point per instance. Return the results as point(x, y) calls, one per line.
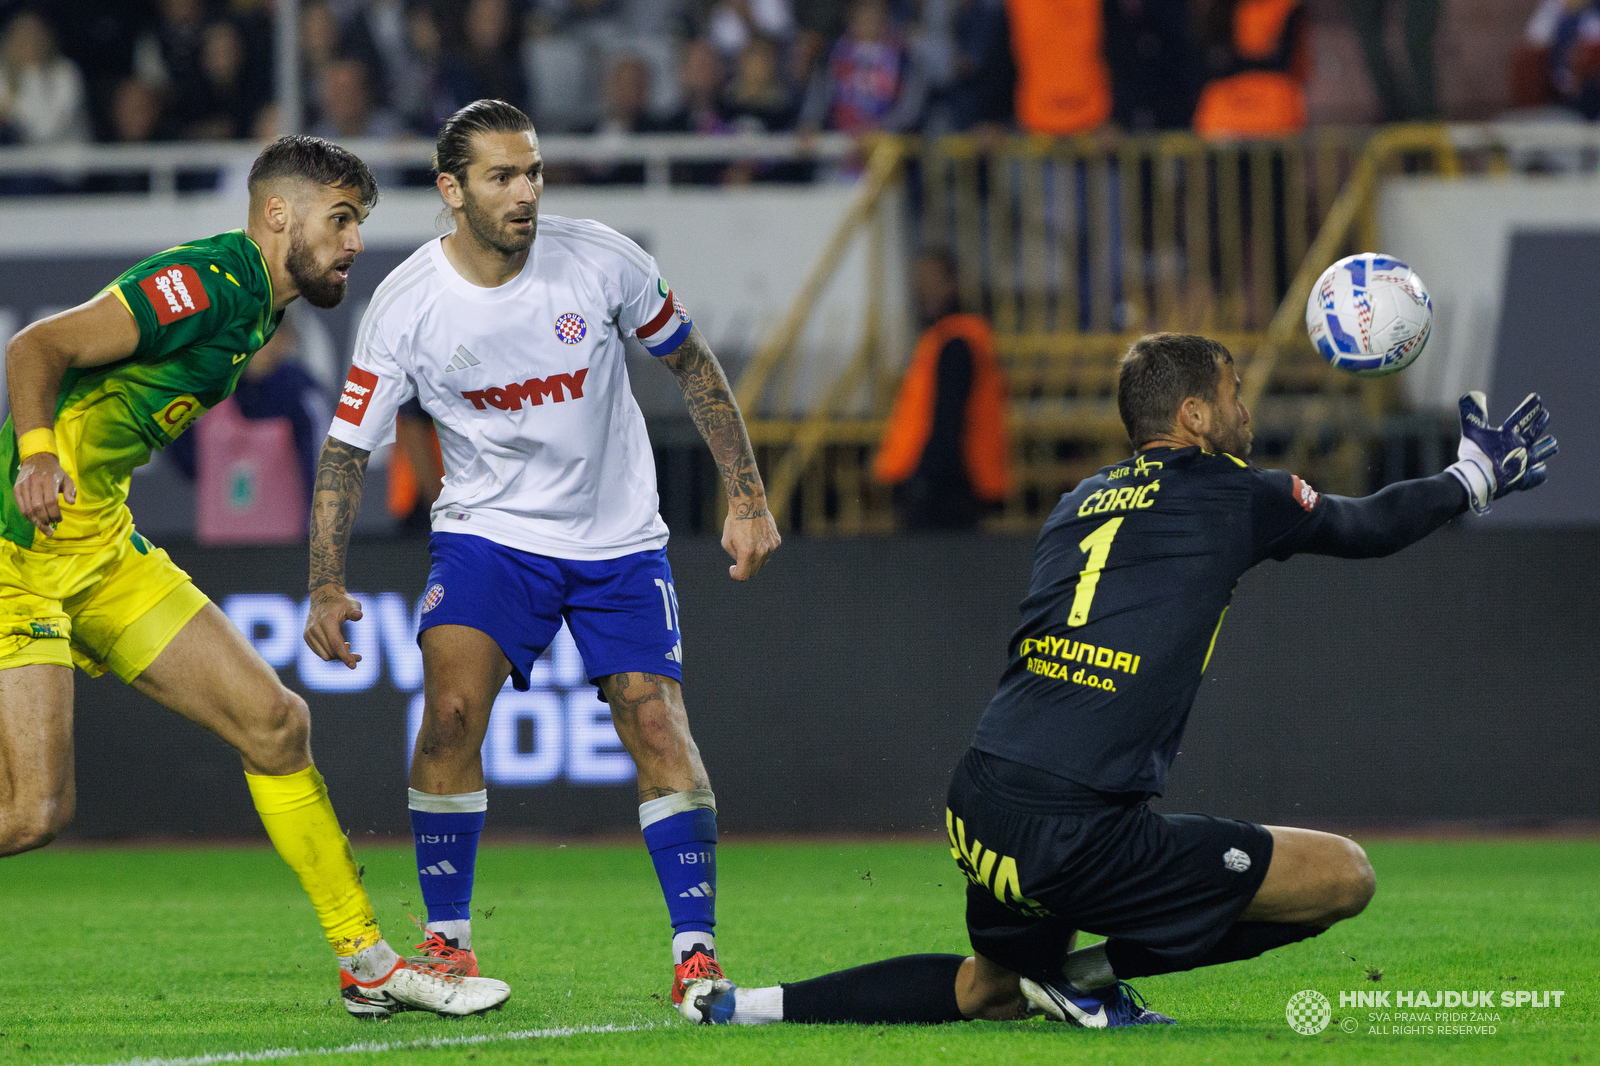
point(749, 534)
point(340, 471)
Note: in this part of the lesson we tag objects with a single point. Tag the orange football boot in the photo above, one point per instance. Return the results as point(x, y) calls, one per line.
point(697, 965)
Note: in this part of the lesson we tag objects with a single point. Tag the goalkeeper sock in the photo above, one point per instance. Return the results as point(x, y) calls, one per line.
point(912, 988)
point(681, 832)
point(758, 1006)
point(1243, 940)
point(446, 830)
point(300, 821)
point(1088, 968)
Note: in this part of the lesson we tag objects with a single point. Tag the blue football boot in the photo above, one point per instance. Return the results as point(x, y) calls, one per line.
point(1104, 1008)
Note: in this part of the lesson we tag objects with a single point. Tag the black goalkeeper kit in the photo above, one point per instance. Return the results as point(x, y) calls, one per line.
point(1132, 578)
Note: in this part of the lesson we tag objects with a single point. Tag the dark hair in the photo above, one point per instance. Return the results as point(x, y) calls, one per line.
point(316, 160)
point(452, 153)
point(1159, 372)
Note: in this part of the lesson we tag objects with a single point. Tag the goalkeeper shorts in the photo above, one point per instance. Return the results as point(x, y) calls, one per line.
point(114, 609)
point(1045, 857)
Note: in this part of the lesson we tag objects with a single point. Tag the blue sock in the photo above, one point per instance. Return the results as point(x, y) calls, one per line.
point(446, 830)
point(683, 847)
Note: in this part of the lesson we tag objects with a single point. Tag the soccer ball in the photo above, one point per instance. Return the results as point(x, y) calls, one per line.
point(1369, 314)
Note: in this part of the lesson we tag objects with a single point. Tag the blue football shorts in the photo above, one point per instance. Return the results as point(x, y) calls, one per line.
point(623, 612)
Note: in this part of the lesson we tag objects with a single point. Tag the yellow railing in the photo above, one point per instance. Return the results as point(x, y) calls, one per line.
point(1073, 248)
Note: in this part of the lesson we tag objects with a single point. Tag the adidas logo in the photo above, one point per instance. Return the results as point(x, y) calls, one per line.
point(700, 891)
point(461, 360)
point(438, 869)
point(676, 654)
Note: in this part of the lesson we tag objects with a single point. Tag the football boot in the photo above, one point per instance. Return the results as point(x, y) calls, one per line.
point(410, 986)
point(698, 963)
point(1103, 1008)
point(444, 957)
point(709, 1001)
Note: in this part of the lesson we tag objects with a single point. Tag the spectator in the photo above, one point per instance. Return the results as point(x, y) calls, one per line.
point(168, 57)
point(627, 92)
point(1559, 61)
point(437, 85)
point(135, 119)
point(386, 24)
point(325, 41)
point(1156, 66)
point(1063, 82)
point(733, 24)
point(700, 80)
point(135, 112)
point(224, 103)
point(944, 446)
point(490, 53)
point(627, 97)
point(700, 76)
point(278, 407)
point(982, 75)
point(1258, 61)
point(819, 24)
point(347, 108)
point(1402, 100)
point(869, 82)
point(42, 98)
point(757, 100)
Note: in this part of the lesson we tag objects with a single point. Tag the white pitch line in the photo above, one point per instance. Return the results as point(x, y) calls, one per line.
point(273, 1054)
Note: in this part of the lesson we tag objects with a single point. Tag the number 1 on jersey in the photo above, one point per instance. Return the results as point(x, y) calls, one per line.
point(1097, 546)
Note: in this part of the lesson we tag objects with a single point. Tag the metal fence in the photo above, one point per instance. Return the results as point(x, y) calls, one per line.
point(1074, 248)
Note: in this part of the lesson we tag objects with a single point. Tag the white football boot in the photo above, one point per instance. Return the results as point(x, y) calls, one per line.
point(414, 985)
point(709, 1001)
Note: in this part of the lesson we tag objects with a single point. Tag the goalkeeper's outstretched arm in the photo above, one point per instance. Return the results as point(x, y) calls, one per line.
point(341, 469)
point(1494, 460)
point(1388, 520)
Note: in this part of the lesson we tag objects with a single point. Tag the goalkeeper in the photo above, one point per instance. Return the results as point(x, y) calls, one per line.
point(93, 391)
point(1047, 812)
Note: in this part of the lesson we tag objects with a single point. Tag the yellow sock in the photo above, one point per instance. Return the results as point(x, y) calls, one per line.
point(300, 820)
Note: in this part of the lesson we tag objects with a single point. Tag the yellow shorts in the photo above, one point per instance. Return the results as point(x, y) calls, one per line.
point(115, 609)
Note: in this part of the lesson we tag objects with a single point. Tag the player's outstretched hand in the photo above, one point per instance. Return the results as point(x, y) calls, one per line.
point(749, 535)
point(330, 609)
point(1495, 460)
point(41, 483)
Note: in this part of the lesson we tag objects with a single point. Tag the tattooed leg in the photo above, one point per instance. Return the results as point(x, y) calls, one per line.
point(653, 725)
point(677, 813)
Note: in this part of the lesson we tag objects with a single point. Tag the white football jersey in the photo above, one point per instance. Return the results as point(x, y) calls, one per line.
point(544, 447)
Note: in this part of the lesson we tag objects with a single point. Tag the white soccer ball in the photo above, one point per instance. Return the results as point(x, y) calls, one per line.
point(1369, 314)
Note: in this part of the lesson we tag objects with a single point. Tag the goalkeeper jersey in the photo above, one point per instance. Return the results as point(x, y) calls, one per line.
point(203, 309)
point(1132, 577)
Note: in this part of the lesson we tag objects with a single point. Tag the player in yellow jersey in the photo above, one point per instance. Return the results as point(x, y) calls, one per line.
point(95, 389)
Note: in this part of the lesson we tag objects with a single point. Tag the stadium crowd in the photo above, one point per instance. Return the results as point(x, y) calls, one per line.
point(132, 71)
point(135, 71)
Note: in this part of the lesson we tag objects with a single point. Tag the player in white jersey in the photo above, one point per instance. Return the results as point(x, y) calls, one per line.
point(514, 346)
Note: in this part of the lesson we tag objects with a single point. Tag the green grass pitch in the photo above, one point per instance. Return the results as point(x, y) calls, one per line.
point(206, 953)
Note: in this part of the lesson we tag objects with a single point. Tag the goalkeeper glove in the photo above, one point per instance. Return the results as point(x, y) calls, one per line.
point(1495, 460)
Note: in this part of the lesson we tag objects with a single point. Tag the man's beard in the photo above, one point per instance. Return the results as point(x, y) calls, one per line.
point(315, 282)
point(1235, 442)
point(493, 232)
